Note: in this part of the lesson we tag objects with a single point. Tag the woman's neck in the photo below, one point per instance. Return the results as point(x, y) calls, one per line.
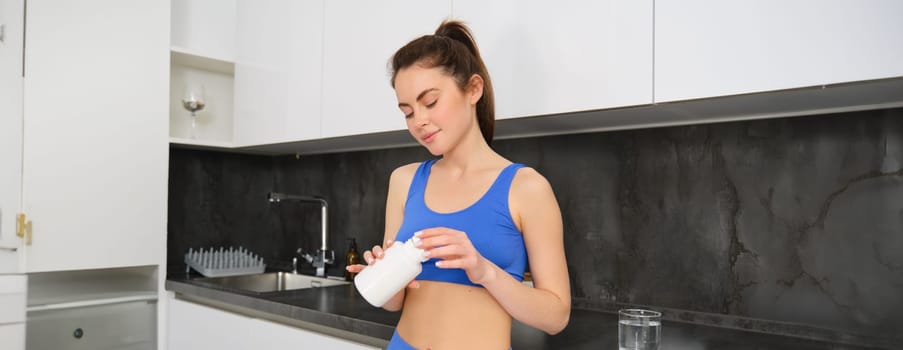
point(471, 153)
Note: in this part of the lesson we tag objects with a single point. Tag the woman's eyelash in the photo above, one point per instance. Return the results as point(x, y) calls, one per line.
point(409, 115)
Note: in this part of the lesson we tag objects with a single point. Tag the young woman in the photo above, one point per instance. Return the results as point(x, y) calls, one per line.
point(482, 218)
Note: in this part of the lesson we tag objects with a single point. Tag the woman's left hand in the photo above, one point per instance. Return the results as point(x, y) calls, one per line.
point(454, 250)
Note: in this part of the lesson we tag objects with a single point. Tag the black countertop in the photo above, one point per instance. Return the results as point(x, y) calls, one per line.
point(342, 308)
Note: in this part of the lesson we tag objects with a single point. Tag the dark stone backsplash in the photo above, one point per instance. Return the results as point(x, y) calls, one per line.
point(794, 220)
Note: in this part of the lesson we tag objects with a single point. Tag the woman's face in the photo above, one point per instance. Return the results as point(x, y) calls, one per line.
point(437, 112)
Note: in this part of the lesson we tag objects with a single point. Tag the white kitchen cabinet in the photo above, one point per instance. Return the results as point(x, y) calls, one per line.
point(12, 311)
point(12, 336)
point(203, 51)
point(213, 81)
point(12, 17)
point(196, 326)
point(565, 56)
point(278, 71)
point(95, 139)
point(358, 42)
point(717, 48)
point(204, 28)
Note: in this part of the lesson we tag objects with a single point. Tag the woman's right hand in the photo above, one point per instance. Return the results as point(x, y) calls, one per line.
point(373, 256)
point(370, 257)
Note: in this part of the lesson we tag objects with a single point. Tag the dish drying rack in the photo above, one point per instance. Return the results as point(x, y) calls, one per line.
point(223, 262)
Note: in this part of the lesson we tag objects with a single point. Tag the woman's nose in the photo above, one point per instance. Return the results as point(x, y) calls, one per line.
point(421, 118)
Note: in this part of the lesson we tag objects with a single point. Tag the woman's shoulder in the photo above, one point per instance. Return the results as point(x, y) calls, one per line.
point(531, 197)
point(403, 175)
point(406, 170)
point(530, 184)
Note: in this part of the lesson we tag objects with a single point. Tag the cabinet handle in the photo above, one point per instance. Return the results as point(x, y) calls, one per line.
point(12, 249)
point(23, 228)
point(2, 32)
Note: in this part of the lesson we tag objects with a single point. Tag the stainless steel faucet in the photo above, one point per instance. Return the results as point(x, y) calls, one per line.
point(320, 260)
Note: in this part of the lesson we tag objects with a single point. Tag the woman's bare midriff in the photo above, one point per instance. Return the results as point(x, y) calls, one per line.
point(441, 315)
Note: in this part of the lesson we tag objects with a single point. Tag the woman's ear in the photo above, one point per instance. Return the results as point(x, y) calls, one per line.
point(474, 89)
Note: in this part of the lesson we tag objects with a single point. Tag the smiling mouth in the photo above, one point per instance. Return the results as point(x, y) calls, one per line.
point(429, 137)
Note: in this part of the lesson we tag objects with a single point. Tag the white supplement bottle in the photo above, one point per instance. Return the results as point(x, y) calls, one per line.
point(399, 266)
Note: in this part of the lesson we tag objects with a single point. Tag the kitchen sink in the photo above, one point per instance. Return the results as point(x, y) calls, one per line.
point(272, 282)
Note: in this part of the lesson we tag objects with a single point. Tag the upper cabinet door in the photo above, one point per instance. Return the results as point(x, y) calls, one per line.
point(96, 138)
point(12, 17)
point(716, 48)
point(549, 57)
point(359, 40)
point(278, 71)
point(204, 27)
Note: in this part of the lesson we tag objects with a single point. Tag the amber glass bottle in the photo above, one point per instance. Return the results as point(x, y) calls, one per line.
point(351, 258)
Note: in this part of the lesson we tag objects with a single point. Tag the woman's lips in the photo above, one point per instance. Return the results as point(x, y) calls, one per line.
point(430, 136)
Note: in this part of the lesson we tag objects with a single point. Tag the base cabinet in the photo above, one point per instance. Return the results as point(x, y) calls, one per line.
point(196, 326)
point(12, 311)
point(13, 336)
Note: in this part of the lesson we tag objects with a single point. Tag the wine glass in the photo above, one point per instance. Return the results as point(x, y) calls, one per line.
point(194, 102)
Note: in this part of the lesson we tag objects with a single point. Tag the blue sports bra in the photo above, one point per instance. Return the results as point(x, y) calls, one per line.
point(487, 222)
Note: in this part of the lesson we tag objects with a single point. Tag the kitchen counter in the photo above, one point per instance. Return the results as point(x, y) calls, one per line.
point(343, 309)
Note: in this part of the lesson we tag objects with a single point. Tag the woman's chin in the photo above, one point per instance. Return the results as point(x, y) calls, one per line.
point(433, 148)
point(435, 151)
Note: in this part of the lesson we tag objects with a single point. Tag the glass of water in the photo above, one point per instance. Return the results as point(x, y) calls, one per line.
point(639, 329)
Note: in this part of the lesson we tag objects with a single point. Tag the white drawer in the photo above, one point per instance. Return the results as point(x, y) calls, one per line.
point(129, 325)
point(12, 336)
point(12, 298)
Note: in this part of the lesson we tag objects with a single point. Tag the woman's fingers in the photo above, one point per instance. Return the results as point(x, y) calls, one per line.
point(436, 232)
point(368, 257)
point(376, 253)
point(452, 247)
point(445, 251)
point(445, 243)
point(451, 264)
point(456, 261)
point(355, 268)
point(440, 236)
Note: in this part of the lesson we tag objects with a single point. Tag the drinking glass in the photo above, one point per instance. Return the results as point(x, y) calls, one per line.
point(639, 329)
point(194, 101)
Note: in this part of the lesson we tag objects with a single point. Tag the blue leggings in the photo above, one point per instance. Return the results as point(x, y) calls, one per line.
point(396, 343)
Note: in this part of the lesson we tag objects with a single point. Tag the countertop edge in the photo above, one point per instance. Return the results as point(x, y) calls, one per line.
point(336, 312)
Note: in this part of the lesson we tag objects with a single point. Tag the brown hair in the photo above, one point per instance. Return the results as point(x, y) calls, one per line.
point(452, 48)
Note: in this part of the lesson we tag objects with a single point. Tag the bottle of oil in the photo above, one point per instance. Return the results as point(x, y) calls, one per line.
point(351, 258)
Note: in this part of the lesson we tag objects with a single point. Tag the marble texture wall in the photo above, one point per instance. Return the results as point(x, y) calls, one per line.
point(797, 220)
